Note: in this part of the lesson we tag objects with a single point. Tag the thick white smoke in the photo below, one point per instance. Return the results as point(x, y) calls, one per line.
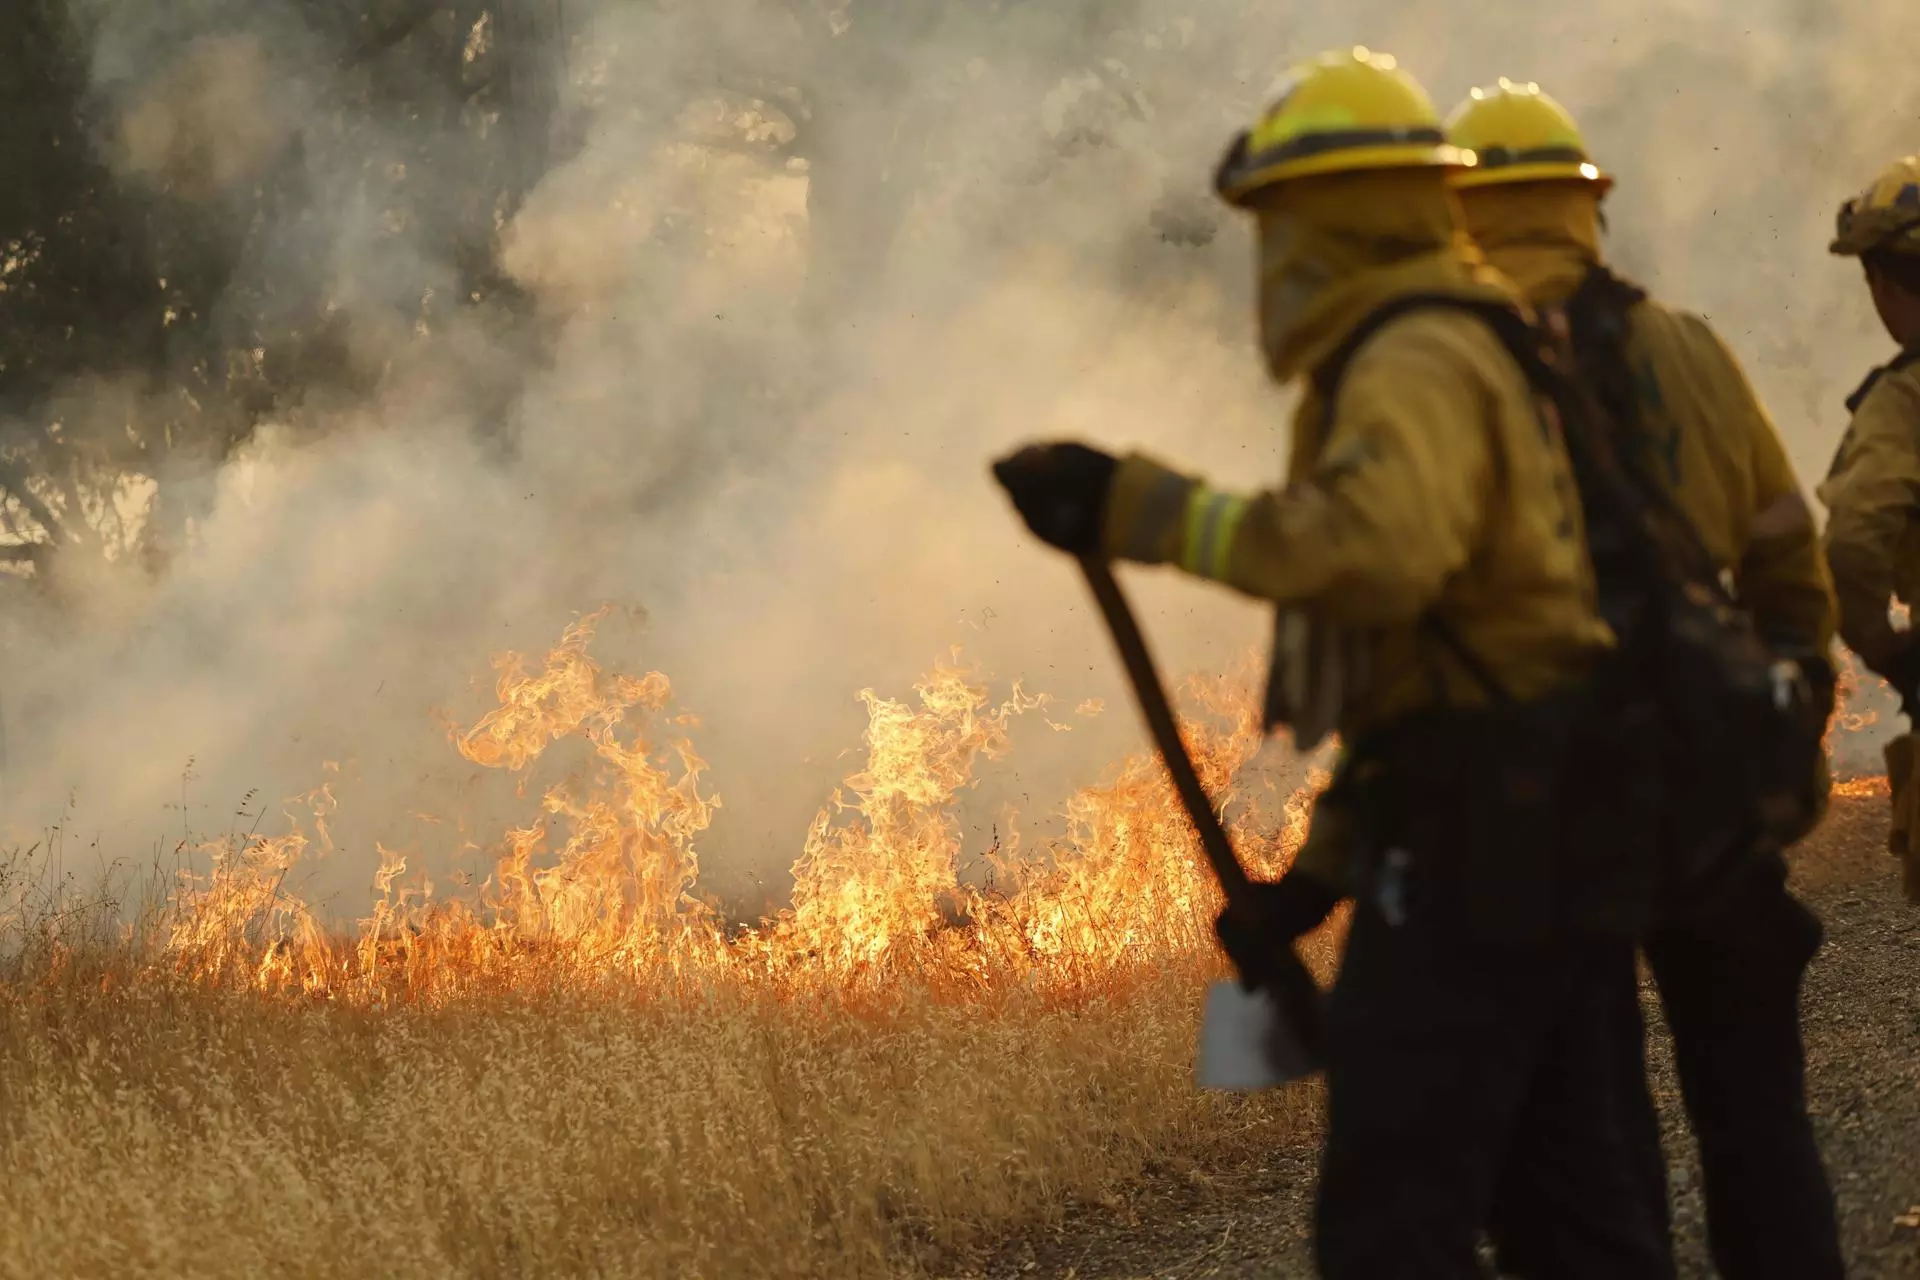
point(777, 462)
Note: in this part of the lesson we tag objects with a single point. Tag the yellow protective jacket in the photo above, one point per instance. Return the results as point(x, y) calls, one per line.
point(1432, 489)
point(1873, 510)
point(1435, 487)
point(1872, 540)
point(1873, 543)
point(1708, 436)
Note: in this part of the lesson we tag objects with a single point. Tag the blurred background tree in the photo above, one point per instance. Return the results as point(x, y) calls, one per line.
point(155, 304)
point(160, 298)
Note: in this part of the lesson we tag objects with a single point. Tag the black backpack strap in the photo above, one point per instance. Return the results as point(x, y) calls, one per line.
point(1895, 365)
point(1599, 306)
point(1865, 389)
point(1598, 324)
point(1513, 330)
point(1633, 522)
point(1859, 397)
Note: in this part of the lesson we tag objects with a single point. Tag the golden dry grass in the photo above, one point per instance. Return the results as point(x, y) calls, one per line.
point(164, 1128)
point(578, 1071)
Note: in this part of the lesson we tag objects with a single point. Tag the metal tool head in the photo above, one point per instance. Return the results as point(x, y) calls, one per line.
point(1246, 1043)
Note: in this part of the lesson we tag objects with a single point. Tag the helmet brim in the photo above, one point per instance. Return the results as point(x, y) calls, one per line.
point(1903, 238)
point(1239, 188)
point(1542, 171)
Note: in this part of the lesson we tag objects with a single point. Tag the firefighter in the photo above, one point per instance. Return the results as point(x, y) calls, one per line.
point(1436, 606)
point(1873, 491)
point(1729, 976)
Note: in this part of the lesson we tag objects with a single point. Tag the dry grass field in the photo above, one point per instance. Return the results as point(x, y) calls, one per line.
point(580, 1070)
point(159, 1128)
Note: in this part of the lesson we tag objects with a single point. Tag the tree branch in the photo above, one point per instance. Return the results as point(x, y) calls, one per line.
point(70, 490)
point(13, 481)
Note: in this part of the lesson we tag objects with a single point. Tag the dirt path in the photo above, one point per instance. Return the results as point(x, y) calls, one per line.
point(1242, 1217)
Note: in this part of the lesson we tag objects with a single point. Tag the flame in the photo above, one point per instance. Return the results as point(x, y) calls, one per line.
point(599, 885)
point(869, 885)
point(1855, 765)
point(1129, 884)
point(1854, 788)
point(1848, 716)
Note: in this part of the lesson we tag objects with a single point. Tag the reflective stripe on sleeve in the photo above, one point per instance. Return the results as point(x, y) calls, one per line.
point(1212, 520)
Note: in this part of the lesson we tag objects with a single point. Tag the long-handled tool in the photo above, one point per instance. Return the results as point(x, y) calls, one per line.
point(1249, 1038)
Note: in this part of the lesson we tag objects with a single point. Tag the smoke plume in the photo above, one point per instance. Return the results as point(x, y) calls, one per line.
point(797, 273)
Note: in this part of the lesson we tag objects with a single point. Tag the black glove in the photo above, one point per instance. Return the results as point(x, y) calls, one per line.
point(1261, 948)
point(1061, 492)
point(1260, 941)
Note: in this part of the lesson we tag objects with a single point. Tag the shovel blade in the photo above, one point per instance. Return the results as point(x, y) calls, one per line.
point(1246, 1043)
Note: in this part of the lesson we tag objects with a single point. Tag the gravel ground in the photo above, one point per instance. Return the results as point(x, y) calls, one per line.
point(1241, 1214)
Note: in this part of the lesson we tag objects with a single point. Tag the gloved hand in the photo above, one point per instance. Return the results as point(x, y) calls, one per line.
point(1283, 910)
point(1261, 948)
point(1061, 492)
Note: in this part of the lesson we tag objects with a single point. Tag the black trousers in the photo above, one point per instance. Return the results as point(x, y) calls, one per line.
point(1597, 1075)
point(1452, 1066)
point(1730, 983)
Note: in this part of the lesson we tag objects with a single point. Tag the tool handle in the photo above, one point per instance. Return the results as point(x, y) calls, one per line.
point(1152, 696)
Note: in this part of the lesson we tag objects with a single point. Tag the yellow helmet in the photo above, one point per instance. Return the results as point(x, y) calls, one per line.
point(1520, 134)
point(1884, 216)
point(1339, 113)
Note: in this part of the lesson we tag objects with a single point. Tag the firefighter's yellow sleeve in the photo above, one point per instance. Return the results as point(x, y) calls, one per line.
point(1781, 576)
point(1388, 511)
point(1872, 494)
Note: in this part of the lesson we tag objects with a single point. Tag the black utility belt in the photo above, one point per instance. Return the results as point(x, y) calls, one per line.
point(1520, 818)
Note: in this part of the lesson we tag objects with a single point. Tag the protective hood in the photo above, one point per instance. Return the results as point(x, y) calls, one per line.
point(1334, 249)
point(1541, 235)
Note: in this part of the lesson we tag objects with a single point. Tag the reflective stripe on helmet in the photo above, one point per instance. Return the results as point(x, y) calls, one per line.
point(1501, 157)
point(1313, 144)
point(1240, 165)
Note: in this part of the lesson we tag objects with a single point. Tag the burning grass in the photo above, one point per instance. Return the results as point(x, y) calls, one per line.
point(578, 1069)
